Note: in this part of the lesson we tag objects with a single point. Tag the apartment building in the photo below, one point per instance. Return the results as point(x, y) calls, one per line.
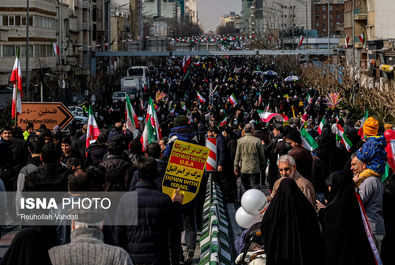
point(334, 10)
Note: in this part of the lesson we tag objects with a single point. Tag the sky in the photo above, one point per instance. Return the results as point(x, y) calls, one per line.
point(210, 11)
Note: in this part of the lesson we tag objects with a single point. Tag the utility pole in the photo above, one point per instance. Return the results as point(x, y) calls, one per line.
point(61, 46)
point(27, 52)
point(329, 30)
point(292, 27)
point(353, 52)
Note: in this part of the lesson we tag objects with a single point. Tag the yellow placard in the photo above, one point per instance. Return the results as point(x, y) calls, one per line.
point(185, 169)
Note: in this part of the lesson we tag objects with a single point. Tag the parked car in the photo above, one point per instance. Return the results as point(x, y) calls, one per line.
point(118, 96)
point(76, 111)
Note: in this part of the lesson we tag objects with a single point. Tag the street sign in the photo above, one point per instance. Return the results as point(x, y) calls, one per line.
point(48, 113)
point(185, 169)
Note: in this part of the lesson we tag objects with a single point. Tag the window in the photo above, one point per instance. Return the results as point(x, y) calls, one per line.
point(17, 20)
point(11, 21)
point(330, 8)
point(5, 20)
point(323, 8)
point(8, 51)
point(338, 16)
point(317, 24)
point(324, 16)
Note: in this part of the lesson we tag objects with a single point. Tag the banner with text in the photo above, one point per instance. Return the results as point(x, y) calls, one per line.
point(185, 169)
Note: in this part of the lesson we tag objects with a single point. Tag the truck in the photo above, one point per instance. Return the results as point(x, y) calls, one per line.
point(135, 80)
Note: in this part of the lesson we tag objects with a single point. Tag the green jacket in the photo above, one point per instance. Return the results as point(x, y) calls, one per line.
point(251, 155)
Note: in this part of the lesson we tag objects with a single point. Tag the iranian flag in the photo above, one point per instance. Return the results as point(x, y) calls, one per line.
point(223, 122)
point(17, 94)
point(309, 99)
point(92, 132)
point(347, 40)
point(151, 131)
point(183, 106)
point(301, 39)
point(186, 61)
point(259, 99)
point(344, 140)
point(267, 107)
point(308, 141)
point(267, 116)
point(141, 103)
point(132, 122)
point(233, 100)
point(362, 38)
point(201, 98)
point(360, 131)
point(55, 48)
point(322, 124)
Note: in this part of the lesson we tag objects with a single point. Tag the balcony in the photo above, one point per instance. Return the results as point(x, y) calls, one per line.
point(362, 16)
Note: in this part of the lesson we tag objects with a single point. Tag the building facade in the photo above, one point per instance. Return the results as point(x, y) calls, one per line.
point(334, 11)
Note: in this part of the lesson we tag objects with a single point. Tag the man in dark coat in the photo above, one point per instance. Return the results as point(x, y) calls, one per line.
point(147, 242)
point(301, 155)
point(50, 176)
point(119, 172)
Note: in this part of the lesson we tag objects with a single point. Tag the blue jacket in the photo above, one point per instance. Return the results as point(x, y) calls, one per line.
point(183, 133)
point(373, 153)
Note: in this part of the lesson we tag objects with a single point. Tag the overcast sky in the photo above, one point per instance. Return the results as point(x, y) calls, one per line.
point(210, 11)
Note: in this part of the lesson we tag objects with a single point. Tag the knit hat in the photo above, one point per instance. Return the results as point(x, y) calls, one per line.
point(387, 126)
point(370, 127)
point(294, 136)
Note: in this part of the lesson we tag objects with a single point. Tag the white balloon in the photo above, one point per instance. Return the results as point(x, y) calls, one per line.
point(245, 219)
point(254, 201)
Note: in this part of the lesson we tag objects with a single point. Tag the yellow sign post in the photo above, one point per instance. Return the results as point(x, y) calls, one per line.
point(185, 169)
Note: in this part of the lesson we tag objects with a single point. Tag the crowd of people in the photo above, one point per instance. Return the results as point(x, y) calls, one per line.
point(250, 154)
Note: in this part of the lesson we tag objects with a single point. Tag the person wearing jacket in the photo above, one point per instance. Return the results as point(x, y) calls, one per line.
point(50, 175)
point(87, 246)
point(250, 155)
point(119, 172)
point(147, 242)
point(35, 144)
point(301, 155)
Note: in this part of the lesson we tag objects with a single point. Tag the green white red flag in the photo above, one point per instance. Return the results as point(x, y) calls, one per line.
point(259, 99)
point(267, 116)
point(201, 98)
point(233, 100)
point(309, 99)
point(16, 79)
point(151, 131)
point(92, 132)
point(55, 48)
point(321, 125)
point(308, 141)
point(132, 122)
point(344, 140)
point(223, 122)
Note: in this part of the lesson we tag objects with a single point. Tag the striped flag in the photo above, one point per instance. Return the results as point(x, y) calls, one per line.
point(55, 48)
point(344, 140)
point(200, 97)
point(267, 107)
point(17, 94)
point(362, 38)
point(360, 131)
point(223, 122)
point(267, 116)
point(132, 122)
point(301, 39)
point(259, 99)
point(322, 124)
point(151, 131)
point(92, 132)
point(233, 100)
point(347, 40)
point(308, 141)
point(186, 61)
point(309, 99)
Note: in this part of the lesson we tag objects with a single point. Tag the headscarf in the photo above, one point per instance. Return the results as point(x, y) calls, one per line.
point(291, 233)
point(344, 236)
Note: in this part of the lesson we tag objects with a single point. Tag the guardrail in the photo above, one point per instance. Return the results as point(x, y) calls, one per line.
point(215, 247)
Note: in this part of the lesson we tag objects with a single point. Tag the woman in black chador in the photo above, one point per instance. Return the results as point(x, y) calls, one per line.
point(290, 228)
point(345, 239)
